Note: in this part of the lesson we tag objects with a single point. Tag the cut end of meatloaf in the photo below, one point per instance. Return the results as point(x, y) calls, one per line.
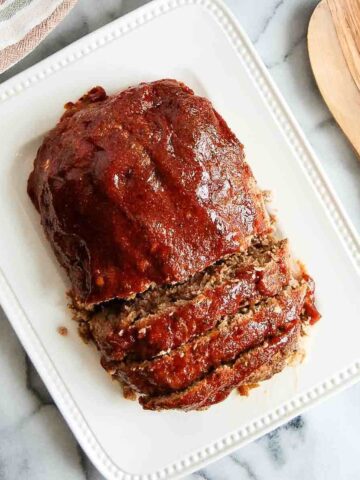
point(254, 366)
point(235, 334)
point(165, 317)
point(172, 344)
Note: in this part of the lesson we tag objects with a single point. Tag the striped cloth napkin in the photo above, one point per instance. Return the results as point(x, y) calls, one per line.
point(24, 23)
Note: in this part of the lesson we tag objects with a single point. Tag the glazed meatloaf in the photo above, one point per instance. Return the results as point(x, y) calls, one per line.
point(150, 206)
point(143, 188)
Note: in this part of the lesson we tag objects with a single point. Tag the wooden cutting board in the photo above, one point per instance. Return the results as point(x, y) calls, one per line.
point(334, 49)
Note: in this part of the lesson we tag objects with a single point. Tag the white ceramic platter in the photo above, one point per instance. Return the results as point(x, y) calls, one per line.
point(200, 43)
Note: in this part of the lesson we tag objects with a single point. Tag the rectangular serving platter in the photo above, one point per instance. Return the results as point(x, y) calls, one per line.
point(200, 43)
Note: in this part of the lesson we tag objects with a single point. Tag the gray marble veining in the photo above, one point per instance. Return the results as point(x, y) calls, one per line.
point(35, 442)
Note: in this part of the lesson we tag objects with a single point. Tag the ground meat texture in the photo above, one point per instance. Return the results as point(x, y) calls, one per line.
point(148, 186)
point(166, 318)
point(253, 366)
point(207, 349)
point(183, 366)
point(63, 331)
point(151, 208)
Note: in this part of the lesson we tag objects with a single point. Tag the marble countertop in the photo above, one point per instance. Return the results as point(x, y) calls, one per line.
point(35, 442)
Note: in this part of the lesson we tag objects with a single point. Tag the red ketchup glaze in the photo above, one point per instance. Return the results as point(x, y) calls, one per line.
point(181, 368)
point(309, 305)
point(175, 326)
point(146, 186)
point(216, 386)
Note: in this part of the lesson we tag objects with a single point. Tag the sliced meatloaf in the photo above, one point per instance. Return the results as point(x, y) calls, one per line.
point(176, 345)
point(164, 318)
point(180, 367)
point(151, 208)
point(257, 364)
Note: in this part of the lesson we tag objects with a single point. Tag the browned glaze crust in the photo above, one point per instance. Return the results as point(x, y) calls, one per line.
point(145, 187)
point(151, 208)
point(259, 363)
point(236, 351)
point(183, 366)
point(118, 335)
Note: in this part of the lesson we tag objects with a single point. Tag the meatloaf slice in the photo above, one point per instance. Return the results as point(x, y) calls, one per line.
point(257, 364)
point(164, 318)
point(181, 367)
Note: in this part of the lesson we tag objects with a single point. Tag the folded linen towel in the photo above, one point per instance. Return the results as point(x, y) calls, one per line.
point(24, 23)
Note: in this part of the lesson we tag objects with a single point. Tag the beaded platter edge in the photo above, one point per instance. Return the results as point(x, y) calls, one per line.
point(306, 158)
